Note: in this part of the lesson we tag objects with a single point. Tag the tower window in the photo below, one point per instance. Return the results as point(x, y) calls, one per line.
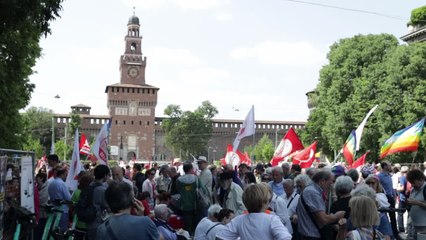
point(133, 47)
point(140, 122)
point(116, 122)
point(132, 122)
point(124, 122)
point(147, 123)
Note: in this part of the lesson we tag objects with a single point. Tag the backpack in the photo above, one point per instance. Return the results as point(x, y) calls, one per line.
point(377, 235)
point(84, 208)
point(203, 198)
point(187, 195)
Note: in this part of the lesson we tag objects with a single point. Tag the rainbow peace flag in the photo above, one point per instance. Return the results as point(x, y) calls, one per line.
point(349, 148)
point(404, 140)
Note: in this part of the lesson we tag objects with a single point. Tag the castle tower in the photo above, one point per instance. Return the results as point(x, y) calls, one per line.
point(131, 102)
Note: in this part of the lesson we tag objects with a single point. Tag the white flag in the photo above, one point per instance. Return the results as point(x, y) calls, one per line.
point(358, 131)
point(247, 129)
point(100, 147)
point(76, 167)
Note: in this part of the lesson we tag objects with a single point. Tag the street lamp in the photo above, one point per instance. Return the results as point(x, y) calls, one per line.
point(214, 154)
point(208, 153)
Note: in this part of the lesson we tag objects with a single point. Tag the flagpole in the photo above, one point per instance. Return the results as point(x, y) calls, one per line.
point(252, 152)
point(414, 157)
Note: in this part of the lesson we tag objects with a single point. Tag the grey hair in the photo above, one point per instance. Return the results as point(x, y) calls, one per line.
point(343, 185)
point(364, 190)
point(213, 209)
point(160, 209)
point(303, 178)
point(289, 182)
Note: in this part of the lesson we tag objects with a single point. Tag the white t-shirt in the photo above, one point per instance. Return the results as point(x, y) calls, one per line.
point(202, 227)
point(253, 226)
point(211, 235)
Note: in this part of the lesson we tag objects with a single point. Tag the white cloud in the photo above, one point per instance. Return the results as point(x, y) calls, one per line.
point(281, 53)
point(223, 17)
point(162, 55)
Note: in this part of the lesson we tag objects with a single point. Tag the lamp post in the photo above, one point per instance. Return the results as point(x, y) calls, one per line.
point(214, 154)
point(65, 141)
point(52, 145)
point(208, 153)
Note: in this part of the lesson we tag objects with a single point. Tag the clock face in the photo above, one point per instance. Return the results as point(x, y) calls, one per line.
point(133, 72)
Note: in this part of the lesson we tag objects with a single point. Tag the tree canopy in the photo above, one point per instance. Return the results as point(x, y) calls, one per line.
point(22, 25)
point(37, 129)
point(263, 151)
point(189, 132)
point(363, 71)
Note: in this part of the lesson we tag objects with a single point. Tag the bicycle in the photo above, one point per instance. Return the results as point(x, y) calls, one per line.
point(54, 211)
point(71, 233)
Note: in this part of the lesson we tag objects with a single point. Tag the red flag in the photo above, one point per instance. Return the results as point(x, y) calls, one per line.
point(360, 161)
point(244, 158)
point(235, 158)
point(306, 157)
point(231, 157)
point(289, 144)
point(84, 145)
point(100, 147)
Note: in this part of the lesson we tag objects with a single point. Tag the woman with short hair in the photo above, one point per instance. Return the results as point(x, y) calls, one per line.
point(256, 223)
point(364, 218)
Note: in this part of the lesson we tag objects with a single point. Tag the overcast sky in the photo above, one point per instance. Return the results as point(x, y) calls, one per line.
point(234, 53)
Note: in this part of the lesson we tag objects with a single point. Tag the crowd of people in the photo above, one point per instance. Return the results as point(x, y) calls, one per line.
point(195, 200)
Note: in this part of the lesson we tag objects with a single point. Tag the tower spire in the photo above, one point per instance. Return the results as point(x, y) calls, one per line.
point(134, 9)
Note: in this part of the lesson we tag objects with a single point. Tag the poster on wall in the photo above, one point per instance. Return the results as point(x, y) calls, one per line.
point(3, 171)
point(27, 183)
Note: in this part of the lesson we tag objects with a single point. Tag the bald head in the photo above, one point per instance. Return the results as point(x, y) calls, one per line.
point(117, 173)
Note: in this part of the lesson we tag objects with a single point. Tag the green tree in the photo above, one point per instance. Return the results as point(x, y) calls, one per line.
point(22, 25)
point(63, 150)
point(364, 71)
point(37, 125)
point(74, 123)
point(262, 151)
point(34, 145)
point(189, 132)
